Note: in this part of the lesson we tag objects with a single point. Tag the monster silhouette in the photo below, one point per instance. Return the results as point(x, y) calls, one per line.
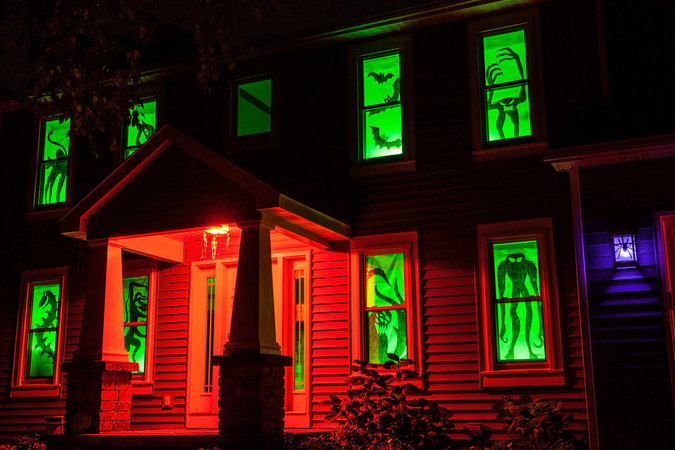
point(58, 171)
point(517, 268)
point(506, 106)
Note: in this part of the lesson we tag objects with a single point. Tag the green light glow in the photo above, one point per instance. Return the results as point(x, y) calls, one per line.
point(519, 324)
point(135, 292)
point(142, 125)
point(385, 288)
point(41, 338)
point(507, 102)
point(54, 163)
point(210, 317)
point(386, 334)
point(254, 107)
point(516, 262)
point(520, 331)
point(299, 347)
point(381, 120)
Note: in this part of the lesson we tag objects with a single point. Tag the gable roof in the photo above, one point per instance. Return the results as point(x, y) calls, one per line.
point(172, 183)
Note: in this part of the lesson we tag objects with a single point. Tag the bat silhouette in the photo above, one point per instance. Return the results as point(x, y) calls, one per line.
point(382, 140)
point(380, 77)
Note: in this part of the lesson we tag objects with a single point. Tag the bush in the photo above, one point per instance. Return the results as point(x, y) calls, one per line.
point(26, 442)
point(377, 413)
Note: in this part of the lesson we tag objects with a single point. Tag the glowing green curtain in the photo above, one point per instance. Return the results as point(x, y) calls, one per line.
point(142, 125)
point(385, 288)
point(381, 120)
point(42, 328)
point(299, 347)
point(53, 177)
point(519, 324)
point(254, 107)
point(135, 292)
point(507, 97)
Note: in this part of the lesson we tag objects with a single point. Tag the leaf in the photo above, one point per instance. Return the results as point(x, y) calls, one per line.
point(392, 356)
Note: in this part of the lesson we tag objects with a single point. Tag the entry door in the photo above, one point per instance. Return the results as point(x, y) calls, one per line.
point(667, 238)
point(211, 297)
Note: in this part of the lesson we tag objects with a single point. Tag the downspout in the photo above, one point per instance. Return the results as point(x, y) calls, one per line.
point(589, 378)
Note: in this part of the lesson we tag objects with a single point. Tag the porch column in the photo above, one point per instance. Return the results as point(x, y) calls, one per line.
point(251, 383)
point(98, 394)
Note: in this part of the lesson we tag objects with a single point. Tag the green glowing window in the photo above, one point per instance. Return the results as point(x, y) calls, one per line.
point(381, 108)
point(53, 166)
point(506, 91)
point(385, 286)
point(41, 339)
point(519, 328)
point(253, 107)
point(299, 331)
point(519, 324)
point(210, 317)
point(142, 124)
point(135, 291)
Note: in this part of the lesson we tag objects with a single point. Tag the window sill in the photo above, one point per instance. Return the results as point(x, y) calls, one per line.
point(509, 151)
point(383, 168)
point(37, 390)
point(522, 378)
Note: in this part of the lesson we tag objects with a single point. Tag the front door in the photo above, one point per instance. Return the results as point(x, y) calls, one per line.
point(212, 286)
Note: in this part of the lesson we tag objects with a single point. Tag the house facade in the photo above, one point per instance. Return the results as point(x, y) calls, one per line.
point(479, 187)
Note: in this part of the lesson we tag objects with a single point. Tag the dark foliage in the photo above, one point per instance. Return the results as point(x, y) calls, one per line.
point(377, 412)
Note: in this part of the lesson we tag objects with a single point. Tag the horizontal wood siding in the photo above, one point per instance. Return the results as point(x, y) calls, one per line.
point(170, 354)
point(330, 329)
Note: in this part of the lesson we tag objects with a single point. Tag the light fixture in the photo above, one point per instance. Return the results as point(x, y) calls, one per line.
point(215, 234)
point(625, 250)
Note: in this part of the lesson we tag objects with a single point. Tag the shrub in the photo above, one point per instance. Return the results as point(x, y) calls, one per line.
point(25, 442)
point(377, 413)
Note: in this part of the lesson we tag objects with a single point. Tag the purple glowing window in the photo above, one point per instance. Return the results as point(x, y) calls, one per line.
point(624, 249)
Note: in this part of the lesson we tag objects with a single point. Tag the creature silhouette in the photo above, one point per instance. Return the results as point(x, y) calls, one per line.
point(386, 334)
point(136, 310)
point(145, 130)
point(50, 305)
point(382, 140)
point(518, 269)
point(380, 78)
point(506, 106)
point(58, 171)
point(396, 95)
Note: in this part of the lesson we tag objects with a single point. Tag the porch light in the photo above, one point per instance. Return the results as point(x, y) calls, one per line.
point(212, 237)
point(625, 253)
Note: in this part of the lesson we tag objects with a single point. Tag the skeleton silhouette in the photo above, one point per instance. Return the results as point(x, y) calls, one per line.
point(506, 106)
point(136, 307)
point(386, 334)
point(58, 172)
point(518, 269)
point(145, 130)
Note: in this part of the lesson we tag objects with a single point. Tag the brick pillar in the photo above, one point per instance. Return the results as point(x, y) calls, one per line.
point(99, 391)
point(251, 394)
point(99, 376)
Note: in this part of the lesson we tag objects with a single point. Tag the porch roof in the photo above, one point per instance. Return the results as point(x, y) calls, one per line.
point(173, 183)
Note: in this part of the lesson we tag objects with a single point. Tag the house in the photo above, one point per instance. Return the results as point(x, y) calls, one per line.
point(482, 187)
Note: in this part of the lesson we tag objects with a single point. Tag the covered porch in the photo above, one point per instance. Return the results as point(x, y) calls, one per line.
point(177, 204)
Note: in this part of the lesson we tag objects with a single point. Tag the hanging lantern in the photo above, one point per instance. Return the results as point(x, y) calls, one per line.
point(212, 238)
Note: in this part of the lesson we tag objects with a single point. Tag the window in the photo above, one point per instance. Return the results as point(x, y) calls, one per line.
point(138, 290)
point(520, 330)
point(254, 107)
point(507, 97)
point(383, 86)
point(385, 296)
point(39, 343)
point(142, 124)
point(52, 182)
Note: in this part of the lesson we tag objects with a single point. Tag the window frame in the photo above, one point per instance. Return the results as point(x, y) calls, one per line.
point(51, 209)
point(142, 383)
point(146, 94)
point(362, 246)
point(252, 142)
point(405, 162)
point(43, 386)
point(528, 19)
point(548, 372)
